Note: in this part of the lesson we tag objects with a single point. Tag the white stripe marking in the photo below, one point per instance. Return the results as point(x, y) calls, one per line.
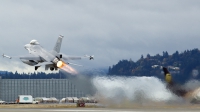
point(90, 110)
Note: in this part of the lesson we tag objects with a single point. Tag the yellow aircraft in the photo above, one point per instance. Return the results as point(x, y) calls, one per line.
point(180, 91)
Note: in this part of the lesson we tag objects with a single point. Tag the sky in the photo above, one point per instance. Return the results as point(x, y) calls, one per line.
point(111, 30)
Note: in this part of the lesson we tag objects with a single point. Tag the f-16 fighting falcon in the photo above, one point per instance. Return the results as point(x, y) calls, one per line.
point(52, 60)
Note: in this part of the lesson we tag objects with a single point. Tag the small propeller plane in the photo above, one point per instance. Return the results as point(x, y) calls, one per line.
point(52, 60)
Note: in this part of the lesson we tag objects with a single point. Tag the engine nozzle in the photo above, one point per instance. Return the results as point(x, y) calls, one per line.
point(59, 64)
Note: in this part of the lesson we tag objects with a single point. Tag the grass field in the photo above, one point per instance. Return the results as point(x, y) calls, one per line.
point(44, 106)
point(134, 106)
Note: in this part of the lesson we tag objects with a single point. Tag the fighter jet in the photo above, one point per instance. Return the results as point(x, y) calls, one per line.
point(52, 60)
point(180, 90)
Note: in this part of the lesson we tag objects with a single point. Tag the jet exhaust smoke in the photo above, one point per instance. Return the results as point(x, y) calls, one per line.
point(128, 91)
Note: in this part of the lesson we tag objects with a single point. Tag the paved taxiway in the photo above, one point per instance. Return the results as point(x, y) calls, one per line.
point(99, 110)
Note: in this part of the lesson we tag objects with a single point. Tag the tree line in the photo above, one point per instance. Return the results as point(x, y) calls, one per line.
point(186, 62)
point(35, 75)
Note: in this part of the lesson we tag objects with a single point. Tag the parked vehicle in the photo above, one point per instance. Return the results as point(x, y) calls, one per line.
point(26, 99)
point(2, 102)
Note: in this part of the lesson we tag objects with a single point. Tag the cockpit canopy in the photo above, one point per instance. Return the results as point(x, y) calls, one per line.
point(34, 42)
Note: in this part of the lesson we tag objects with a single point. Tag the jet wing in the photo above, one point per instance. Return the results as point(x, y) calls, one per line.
point(71, 58)
point(65, 57)
point(27, 57)
point(37, 58)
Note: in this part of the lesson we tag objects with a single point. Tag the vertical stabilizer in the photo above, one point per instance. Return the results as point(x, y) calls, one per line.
point(58, 44)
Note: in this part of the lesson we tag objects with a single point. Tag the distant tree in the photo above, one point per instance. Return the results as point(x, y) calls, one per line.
point(109, 69)
point(142, 57)
point(16, 73)
point(148, 56)
point(165, 54)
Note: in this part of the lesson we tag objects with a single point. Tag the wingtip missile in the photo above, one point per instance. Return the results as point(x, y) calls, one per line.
point(90, 57)
point(6, 56)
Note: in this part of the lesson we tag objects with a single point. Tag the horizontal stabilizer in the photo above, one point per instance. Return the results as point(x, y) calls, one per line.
point(63, 60)
point(165, 71)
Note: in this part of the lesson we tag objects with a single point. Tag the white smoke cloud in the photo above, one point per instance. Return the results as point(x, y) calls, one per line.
point(132, 89)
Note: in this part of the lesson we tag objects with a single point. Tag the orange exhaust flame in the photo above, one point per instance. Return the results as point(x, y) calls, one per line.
point(67, 68)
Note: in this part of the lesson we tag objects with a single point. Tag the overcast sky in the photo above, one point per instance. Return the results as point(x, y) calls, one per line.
point(111, 30)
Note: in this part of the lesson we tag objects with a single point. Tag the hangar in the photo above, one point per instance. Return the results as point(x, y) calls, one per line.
point(58, 88)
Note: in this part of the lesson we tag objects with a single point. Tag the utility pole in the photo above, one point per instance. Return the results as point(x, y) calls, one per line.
point(60, 74)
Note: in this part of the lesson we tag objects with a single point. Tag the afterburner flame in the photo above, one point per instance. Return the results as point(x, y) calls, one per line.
point(60, 64)
point(66, 67)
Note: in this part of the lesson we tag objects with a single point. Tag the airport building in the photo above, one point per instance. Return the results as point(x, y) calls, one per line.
point(58, 88)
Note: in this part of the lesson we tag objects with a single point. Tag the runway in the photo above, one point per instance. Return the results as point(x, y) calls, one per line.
point(98, 110)
point(114, 108)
